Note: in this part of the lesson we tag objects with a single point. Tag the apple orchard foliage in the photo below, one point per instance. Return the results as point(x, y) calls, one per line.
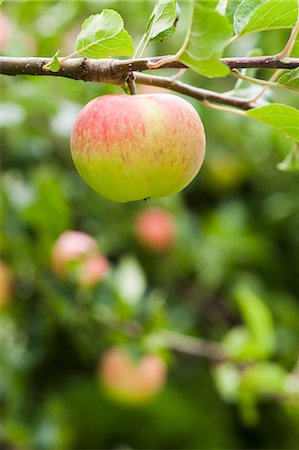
point(97, 325)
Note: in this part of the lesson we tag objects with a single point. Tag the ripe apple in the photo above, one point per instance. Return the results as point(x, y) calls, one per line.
point(155, 228)
point(131, 382)
point(131, 147)
point(75, 256)
point(5, 284)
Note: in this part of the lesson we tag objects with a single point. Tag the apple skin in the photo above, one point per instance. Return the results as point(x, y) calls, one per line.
point(155, 228)
point(131, 147)
point(128, 381)
point(81, 249)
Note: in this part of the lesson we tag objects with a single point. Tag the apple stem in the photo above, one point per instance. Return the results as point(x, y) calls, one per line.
point(130, 80)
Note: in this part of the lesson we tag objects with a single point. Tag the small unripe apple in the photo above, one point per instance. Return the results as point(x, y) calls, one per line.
point(5, 284)
point(155, 228)
point(75, 256)
point(132, 147)
point(129, 381)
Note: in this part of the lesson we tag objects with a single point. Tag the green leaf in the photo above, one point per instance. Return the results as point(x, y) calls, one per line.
point(282, 117)
point(103, 35)
point(291, 162)
point(209, 36)
point(231, 8)
point(258, 15)
point(54, 64)
point(256, 340)
point(222, 6)
point(129, 281)
point(161, 24)
point(290, 78)
point(264, 378)
point(257, 317)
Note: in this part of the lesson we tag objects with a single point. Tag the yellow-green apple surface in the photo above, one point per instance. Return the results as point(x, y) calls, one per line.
point(132, 147)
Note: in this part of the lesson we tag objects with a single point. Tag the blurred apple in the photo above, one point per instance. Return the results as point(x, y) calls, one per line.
point(75, 256)
point(93, 270)
point(5, 284)
point(129, 381)
point(155, 228)
point(5, 30)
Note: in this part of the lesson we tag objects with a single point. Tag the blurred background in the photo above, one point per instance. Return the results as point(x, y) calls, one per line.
point(226, 271)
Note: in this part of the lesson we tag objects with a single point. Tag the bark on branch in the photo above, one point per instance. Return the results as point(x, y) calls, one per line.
point(115, 71)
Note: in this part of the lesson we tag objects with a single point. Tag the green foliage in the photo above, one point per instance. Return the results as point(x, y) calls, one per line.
point(161, 23)
point(258, 15)
point(283, 117)
point(54, 64)
point(291, 161)
point(103, 35)
point(256, 340)
point(209, 35)
point(290, 77)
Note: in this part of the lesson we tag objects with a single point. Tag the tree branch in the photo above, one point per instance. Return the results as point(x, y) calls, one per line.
point(111, 70)
point(191, 91)
point(115, 71)
point(194, 346)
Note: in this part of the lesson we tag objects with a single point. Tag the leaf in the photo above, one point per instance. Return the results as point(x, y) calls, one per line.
point(231, 8)
point(130, 283)
point(264, 378)
point(290, 78)
point(54, 64)
point(257, 317)
point(161, 24)
point(103, 35)
point(210, 32)
point(222, 6)
point(255, 340)
point(291, 162)
point(282, 117)
point(258, 15)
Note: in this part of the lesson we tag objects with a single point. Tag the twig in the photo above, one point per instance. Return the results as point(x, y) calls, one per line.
point(286, 51)
point(266, 83)
point(191, 91)
point(194, 346)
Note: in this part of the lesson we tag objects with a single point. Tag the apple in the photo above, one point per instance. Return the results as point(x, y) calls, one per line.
point(129, 381)
point(93, 270)
point(75, 255)
point(155, 228)
point(5, 284)
point(132, 147)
